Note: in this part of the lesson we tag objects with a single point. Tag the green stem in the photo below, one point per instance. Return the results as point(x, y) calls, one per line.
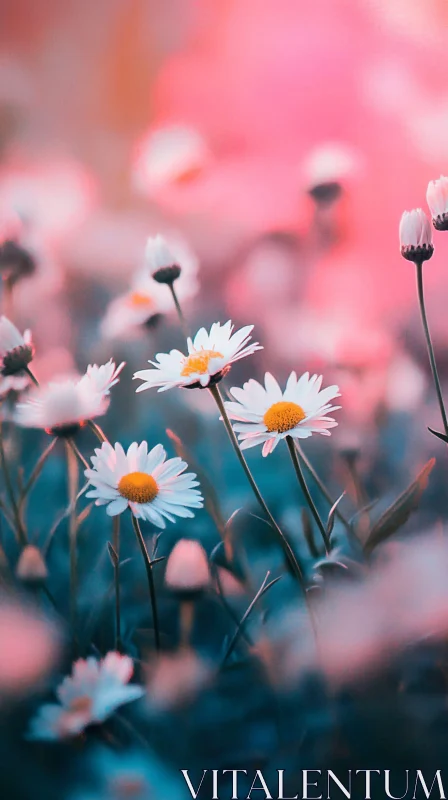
point(321, 486)
point(72, 474)
point(151, 584)
point(20, 530)
point(116, 542)
point(305, 490)
point(180, 313)
point(432, 360)
point(34, 476)
point(293, 562)
point(262, 590)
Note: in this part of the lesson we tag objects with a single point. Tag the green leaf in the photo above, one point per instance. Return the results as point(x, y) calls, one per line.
point(399, 512)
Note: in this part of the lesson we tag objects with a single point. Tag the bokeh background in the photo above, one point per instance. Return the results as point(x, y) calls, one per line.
point(280, 140)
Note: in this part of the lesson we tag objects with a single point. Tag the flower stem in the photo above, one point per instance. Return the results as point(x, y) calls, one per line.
point(151, 584)
point(72, 473)
point(180, 313)
point(20, 529)
point(305, 490)
point(292, 560)
point(116, 542)
point(99, 433)
point(432, 360)
point(321, 486)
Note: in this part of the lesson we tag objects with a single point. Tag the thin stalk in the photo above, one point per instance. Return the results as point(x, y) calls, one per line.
point(432, 360)
point(262, 590)
point(8, 297)
point(100, 435)
point(180, 313)
point(151, 584)
point(31, 375)
point(321, 486)
point(74, 448)
point(20, 530)
point(295, 566)
point(116, 543)
point(72, 474)
point(35, 474)
point(305, 490)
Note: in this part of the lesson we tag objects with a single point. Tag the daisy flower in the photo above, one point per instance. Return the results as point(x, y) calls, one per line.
point(415, 236)
point(93, 691)
point(102, 378)
point(210, 356)
point(169, 155)
point(437, 199)
point(153, 488)
point(63, 406)
point(16, 351)
point(265, 414)
point(142, 305)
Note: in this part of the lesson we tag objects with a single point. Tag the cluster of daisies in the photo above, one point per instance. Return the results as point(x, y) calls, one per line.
point(154, 488)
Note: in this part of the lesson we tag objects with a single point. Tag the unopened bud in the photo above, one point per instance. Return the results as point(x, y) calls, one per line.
point(187, 569)
point(161, 261)
point(31, 567)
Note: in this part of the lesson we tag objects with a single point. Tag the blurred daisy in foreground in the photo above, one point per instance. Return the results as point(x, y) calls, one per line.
point(437, 199)
point(265, 414)
point(16, 351)
point(146, 300)
point(93, 691)
point(210, 356)
point(153, 487)
point(62, 406)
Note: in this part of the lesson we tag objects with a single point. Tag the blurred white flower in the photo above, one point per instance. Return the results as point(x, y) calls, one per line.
point(265, 414)
point(91, 694)
point(102, 378)
point(153, 488)
point(16, 351)
point(169, 155)
point(62, 406)
point(415, 236)
point(187, 567)
point(437, 199)
point(13, 383)
point(176, 678)
point(210, 356)
point(328, 167)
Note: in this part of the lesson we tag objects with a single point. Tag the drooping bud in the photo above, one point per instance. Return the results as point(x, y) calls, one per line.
point(16, 351)
point(416, 236)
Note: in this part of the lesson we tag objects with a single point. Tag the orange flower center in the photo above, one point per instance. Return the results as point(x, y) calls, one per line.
point(139, 299)
point(138, 487)
point(283, 416)
point(198, 363)
point(81, 704)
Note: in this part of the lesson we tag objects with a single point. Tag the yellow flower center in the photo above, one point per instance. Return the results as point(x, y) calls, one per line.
point(283, 416)
point(199, 362)
point(139, 299)
point(138, 487)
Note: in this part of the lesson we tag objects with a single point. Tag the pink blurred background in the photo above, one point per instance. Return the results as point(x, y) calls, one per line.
point(121, 118)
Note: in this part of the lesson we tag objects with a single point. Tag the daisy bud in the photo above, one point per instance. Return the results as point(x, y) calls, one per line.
point(15, 260)
point(31, 567)
point(437, 199)
point(161, 261)
point(16, 351)
point(416, 236)
point(187, 569)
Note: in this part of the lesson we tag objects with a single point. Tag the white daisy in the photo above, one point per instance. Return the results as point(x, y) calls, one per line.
point(169, 155)
point(415, 236)
point(265, 414)
point(210, 356)
point(87, 697)
point(142, 305)
point(151, 486)
point(64, 405)
point(16, 351)
point(102, 378)
point(437, 199)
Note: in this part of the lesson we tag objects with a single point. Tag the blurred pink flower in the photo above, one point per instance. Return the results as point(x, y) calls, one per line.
point(29, 648)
